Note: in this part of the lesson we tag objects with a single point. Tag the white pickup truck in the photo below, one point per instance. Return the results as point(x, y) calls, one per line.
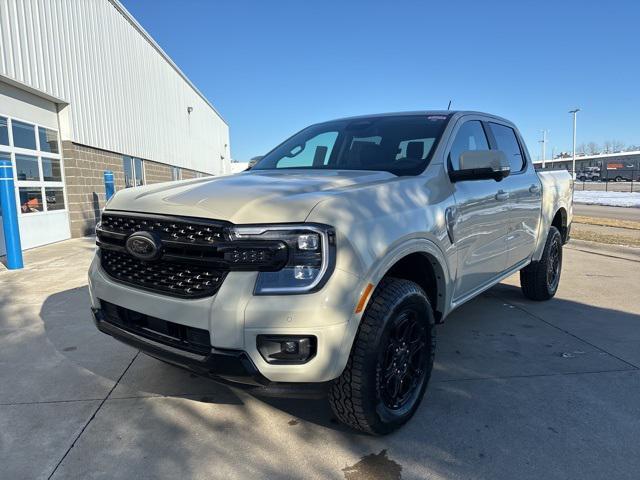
point(331, 261)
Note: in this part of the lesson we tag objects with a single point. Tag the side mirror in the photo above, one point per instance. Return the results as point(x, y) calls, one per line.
point(481, 165)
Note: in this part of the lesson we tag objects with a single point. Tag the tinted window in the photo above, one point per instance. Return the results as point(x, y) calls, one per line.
point(471, 136)
point(315, 152)
point(4, 131)
point(401, 145)
point(507, 142)
point(24, 135)
point(48, 140)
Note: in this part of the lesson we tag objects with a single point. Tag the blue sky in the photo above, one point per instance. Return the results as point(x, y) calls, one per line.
point(274, 67)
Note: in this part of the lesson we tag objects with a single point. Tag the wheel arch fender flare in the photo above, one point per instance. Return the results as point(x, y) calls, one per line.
point(378, 271)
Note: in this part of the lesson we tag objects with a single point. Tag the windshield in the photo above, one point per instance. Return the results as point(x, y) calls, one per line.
point(401, 145)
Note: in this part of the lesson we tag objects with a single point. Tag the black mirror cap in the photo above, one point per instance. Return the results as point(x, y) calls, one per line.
point(478, 174)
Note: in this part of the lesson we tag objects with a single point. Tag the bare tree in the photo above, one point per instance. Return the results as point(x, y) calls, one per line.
point(617, 145)
point(632, 148)
point(608, 146)
point(582, 148)
point(593, 148)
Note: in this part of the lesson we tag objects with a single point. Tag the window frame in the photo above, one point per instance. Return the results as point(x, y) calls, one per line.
point(132, 164)
point(454, 134)
point(40, 184)
point(493, 143)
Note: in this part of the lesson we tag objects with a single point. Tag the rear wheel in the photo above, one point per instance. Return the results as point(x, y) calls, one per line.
point(540, 280)
point(391, 360)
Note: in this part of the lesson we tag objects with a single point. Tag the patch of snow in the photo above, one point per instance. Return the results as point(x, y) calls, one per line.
point(612, 199)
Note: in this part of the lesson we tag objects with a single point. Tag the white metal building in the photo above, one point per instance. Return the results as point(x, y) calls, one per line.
point(83, 89)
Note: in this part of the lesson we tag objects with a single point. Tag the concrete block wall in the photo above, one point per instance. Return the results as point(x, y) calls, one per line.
point(84, 176)
point(156, 172)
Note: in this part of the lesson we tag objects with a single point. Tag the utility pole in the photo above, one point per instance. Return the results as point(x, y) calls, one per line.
point(573, 165)
point(544, 146)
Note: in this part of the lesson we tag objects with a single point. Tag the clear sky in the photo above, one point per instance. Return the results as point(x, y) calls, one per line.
point(273, 67)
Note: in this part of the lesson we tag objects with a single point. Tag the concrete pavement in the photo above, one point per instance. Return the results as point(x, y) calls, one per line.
point(520, 390)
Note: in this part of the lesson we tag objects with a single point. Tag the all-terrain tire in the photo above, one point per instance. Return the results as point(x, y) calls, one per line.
point(359, 397)
point(540, 280)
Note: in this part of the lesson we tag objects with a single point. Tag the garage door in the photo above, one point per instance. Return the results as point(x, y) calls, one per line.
point(34, 152)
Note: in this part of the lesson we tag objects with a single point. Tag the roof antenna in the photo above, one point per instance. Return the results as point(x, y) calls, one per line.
point(449, 106)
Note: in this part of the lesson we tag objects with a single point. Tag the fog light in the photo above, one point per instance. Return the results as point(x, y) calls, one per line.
point(286, 349)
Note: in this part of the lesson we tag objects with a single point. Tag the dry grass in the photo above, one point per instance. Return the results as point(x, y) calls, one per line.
point(607, 222)
point(608, 238)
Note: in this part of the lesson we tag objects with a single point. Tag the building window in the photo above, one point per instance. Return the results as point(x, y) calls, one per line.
point(27, 168)
point(30, 199)
point(133, 171)
point(39, 177)
point(51, 171)
point(24, 135)
point(48, 140)
point(4, 131)
point(55, 198)
point(176, 173)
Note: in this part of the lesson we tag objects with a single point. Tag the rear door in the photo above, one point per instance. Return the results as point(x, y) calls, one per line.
point(480, 228)
point(524, 190)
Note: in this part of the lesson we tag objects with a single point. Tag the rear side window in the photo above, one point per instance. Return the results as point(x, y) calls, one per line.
point(507, 141)
point(470, 137)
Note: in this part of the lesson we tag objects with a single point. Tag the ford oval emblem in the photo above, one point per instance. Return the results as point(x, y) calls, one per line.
point(143, 246)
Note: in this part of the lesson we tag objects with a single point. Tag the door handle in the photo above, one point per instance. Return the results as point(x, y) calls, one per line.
point(534, 189)
point(502, 195)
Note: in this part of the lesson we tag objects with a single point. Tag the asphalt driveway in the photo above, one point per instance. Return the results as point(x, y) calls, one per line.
point(521, 390)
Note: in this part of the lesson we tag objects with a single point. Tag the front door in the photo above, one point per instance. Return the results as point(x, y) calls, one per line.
point(479, 230)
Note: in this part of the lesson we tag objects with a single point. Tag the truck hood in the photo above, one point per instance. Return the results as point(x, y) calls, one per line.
point(250, 197)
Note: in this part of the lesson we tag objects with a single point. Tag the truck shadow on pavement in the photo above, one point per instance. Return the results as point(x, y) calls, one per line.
point(493, 341)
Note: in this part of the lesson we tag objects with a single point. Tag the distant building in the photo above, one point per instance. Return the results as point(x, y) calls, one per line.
point(84, 89)
point(612, 166)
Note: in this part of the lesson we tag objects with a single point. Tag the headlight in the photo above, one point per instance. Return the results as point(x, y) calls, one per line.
point(307, 264)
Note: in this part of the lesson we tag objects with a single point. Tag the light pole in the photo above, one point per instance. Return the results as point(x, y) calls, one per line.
point(573, 165)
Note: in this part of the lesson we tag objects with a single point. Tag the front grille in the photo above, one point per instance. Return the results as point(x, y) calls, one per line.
point(190, 231)
point(189, 267)
point(172, 278)
point(191, 339)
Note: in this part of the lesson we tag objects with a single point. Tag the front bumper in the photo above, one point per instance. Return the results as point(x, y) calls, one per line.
point(234, 318)
point(227, 365)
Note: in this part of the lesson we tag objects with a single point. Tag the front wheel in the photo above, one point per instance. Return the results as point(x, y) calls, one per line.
point(540, 280)
point(391, 360)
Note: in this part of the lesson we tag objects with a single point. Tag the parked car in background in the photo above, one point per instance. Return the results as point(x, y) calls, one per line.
point(589, 174)
point(330, 262)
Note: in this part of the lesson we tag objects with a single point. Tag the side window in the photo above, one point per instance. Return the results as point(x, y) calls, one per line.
point(315, 152)
point(507, 142)
point(471, 136)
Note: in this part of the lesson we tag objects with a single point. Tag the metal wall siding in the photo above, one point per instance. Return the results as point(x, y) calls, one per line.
point(123, 94)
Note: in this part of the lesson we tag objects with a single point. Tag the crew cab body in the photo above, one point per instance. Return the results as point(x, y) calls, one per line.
point(454, 236)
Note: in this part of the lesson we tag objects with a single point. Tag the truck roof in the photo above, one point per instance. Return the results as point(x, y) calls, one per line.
point(448, 113)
